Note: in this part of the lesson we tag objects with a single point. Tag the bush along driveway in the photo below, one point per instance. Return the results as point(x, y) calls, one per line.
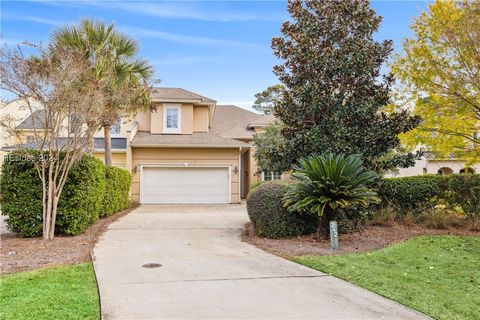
point(184, 262)
point(437, 275)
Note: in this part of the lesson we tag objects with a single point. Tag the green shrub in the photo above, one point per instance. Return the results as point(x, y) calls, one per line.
point(268, 215)
point(21, 196)
point(82, 198)
point(118, 184)
point(352, 219)
point(410, 193)
point(349, 220)
point(325, 185)
point(464, 191)
point(255, 185)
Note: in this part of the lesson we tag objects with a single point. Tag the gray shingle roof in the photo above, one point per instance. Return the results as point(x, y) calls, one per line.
point(263, 120)
point(117, 143)
point(184, 140)
point(38, 116)
point(178, 94)
point(232, 122)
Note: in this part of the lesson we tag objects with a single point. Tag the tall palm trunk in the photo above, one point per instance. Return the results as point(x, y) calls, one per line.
point(108, 144)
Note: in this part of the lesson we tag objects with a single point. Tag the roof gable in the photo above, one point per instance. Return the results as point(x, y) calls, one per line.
point(164, 93)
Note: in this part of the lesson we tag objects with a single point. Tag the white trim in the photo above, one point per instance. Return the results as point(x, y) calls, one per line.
point(184, 165)
point(133, 125)
point(177, 107)
point(240, 173)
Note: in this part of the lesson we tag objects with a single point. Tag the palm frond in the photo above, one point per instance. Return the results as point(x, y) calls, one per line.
point(334, 181)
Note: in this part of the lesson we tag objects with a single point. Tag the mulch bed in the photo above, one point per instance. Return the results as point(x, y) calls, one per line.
point(371, 238)
point(22, 254)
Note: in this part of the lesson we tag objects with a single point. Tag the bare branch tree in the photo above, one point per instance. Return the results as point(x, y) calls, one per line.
point(61, 81)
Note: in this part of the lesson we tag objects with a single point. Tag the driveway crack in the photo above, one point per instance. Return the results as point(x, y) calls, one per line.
point(232, 279)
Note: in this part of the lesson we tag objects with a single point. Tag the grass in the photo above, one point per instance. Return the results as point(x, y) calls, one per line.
point(67, 292)
point(437, 275)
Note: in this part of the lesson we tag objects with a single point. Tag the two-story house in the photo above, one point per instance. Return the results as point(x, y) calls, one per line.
point(187, 149)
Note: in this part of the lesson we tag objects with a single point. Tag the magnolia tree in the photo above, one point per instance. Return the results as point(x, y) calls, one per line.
point(334, 93)
point(60, 81)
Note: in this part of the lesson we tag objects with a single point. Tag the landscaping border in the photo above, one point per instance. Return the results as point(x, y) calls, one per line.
point(31, 257)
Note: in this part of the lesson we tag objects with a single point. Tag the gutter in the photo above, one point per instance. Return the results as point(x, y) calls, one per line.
point(189, 146)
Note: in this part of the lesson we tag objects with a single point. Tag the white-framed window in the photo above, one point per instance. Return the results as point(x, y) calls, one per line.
point(116, 127)
point(270, 176)
point(172, 119)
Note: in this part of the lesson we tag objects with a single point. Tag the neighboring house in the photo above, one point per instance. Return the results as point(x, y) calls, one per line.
point(432, 165)
point(12, 114)
point(187, 149)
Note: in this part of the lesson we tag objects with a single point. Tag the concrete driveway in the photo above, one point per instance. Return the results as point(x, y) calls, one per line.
point(207, 272)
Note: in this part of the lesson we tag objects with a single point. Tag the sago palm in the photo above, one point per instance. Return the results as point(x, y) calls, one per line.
point(322, 184)
point(115, 66)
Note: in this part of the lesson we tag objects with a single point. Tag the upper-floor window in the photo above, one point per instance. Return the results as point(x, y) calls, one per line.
point(171, 119)
point(116, 127)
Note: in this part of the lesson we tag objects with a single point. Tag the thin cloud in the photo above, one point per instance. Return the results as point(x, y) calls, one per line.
point(174, 60)
point(193, 40)
point(175, 10)
point(189, 10)
point(50, 22)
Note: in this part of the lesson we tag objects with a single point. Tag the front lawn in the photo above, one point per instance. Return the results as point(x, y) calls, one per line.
point(437, 275)
point(68, 292)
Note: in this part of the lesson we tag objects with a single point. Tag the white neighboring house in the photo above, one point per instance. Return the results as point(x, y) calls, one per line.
point(431, 165)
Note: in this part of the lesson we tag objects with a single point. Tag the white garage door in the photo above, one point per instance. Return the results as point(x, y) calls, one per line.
point(184, 185)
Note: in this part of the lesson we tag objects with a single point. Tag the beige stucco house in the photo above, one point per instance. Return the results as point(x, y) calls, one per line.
point(187, 149)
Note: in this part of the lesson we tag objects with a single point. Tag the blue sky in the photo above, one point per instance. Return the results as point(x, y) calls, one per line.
point(218, 49)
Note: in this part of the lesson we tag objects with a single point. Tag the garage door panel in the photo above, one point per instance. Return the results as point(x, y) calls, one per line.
point(185, 185)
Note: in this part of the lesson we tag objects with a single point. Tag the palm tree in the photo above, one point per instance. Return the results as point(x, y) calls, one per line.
point(324, 183)
point(122, 76)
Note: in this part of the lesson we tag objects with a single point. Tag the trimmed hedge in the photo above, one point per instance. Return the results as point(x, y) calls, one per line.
point(411, 193)
point(83, 199)
point(464, 191)
point(414, 194)
point(21, 197)
point(268, 216)
point(118, 182)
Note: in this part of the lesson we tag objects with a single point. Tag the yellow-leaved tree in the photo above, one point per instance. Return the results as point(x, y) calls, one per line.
point(439, 73)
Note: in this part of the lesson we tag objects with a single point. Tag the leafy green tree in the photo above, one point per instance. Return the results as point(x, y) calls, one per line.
point(121, 74)
point(322, 184)
point(335, 95)
point(266, 100)
point(440, 74)
point(270, 148)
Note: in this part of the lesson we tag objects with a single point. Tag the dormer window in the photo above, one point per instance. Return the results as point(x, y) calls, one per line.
point(171, 119)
